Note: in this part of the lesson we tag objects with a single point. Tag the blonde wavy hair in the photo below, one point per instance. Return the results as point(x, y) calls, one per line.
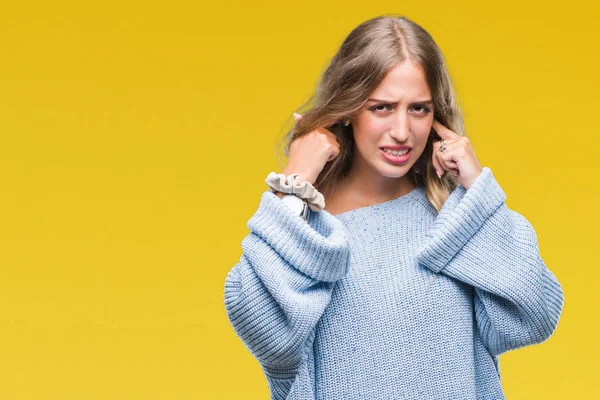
point(361, 63)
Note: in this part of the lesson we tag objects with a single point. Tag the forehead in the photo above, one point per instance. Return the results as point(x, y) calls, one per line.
point(405, 81)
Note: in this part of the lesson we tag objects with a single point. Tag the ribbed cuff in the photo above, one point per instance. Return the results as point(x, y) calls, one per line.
point(321, 256)
point(454, 227)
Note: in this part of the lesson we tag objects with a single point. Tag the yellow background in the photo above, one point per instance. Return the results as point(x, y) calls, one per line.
point(135, 140)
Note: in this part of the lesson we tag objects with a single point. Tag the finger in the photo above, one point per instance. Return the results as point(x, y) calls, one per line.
point(337, 147)
point(452, 169)
point(334, 154)
point(434, 160)
point(453, 156)
point(442, 165)
point(444, 132)
point(445, 159)
point(449, 155)
point(328, 134)
point(439, 170)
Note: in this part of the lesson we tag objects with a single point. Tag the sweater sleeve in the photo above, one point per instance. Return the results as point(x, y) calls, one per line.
point(279, 289)
point(478, 240)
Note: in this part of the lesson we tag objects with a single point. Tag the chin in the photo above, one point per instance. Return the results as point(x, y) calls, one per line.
point(395, 171)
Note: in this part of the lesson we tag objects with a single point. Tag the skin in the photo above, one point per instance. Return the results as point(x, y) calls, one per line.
point(458, 158)
point(403, 118)
point(402, 114)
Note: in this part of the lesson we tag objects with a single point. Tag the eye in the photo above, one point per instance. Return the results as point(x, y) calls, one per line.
point(425, 110)
point(381, 107)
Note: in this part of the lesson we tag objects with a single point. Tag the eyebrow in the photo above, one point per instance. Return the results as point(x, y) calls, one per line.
point(394, 102)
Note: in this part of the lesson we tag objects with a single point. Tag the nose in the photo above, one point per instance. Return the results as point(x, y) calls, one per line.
point(400, 126)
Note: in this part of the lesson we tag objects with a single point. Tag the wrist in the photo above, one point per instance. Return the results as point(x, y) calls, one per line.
point(298, 205)
point(303, 176)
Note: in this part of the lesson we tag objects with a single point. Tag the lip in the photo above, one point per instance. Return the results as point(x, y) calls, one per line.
point(395, 147)
point(394, 159)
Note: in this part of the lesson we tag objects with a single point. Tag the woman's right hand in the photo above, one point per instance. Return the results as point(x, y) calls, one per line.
point(309, 153)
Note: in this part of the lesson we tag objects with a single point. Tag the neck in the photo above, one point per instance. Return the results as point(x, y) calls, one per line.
point(369, 186)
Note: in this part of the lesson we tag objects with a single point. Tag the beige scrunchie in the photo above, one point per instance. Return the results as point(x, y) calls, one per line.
point(293, 185)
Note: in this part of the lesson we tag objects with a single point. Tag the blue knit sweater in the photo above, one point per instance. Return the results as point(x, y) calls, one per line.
point(393, 300)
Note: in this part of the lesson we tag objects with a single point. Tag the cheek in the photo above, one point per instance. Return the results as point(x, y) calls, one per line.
point(421, 130)
point(368, 129)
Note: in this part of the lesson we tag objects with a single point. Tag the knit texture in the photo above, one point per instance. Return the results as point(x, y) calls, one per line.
point(393, 300)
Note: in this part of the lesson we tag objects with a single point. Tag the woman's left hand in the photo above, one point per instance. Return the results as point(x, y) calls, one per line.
point(458, 158)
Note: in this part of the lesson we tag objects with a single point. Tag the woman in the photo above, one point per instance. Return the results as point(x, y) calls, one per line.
point(415, 276)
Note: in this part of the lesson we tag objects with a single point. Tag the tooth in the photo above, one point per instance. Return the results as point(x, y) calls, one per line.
point(396, 152)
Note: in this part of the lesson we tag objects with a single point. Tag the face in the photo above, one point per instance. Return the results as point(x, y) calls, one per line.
point(398, 113)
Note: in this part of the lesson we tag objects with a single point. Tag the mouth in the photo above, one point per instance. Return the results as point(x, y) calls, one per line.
point(396, 156)
point(397, 150)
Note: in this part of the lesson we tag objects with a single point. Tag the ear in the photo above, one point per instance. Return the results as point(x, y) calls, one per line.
point(434, 134)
